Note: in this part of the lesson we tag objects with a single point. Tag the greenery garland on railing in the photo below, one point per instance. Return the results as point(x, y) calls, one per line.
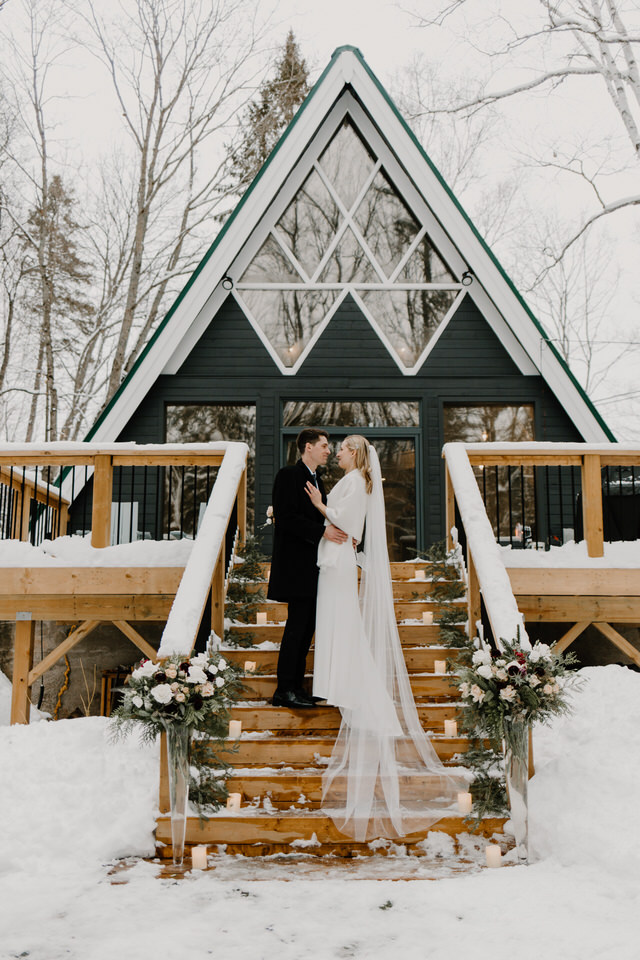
point(194, 691)
point(243, 597)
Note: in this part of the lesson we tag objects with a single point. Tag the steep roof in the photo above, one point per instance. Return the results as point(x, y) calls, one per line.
point(348, 73)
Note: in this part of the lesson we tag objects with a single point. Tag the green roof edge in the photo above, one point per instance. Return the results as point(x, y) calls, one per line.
point(249, 191)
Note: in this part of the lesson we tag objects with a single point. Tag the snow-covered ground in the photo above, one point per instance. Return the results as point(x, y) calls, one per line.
point(72, 802)
point(624, 554)
point(76, 551)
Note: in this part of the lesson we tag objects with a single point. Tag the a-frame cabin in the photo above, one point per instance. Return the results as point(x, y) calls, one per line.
point(350, 290)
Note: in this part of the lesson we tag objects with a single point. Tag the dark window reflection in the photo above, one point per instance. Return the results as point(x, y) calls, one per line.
point(508, 492)
point(382, 413)
point(398, 464)
point(409, 318)
point(309, 223)
point(386, 223)
point(348, 163)
point(187, 488)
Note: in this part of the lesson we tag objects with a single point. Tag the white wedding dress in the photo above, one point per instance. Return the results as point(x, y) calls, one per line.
point(384, 778)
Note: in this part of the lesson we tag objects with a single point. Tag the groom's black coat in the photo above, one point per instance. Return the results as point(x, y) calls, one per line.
point(297, 532)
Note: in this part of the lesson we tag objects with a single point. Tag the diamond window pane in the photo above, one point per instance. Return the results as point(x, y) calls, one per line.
point(409, 318)
point(425, 265)
point(289, 318)
point(348, 263)
point(347, 163)
point(270, 265)
point(386, 223)
point(309, 222)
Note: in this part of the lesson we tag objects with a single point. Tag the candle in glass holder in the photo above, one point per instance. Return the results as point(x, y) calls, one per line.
point(465, 803)
point(261, 618)
point(494, 855)
point(234, 800)
point(250, 666)
point(451, 728)
point(199, 858)
point(427, 617)
point(235, 729)
point(440, 666)
point(420, 574)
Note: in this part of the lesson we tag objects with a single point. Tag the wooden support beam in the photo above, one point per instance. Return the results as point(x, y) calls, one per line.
point(450, 506)
point(102, 494)
point(572, 634)
point(217, 595)
point(474, 605)
point(621, 642)
point(592, 505)
point(574, 581)
point(570, 609)
point(71, 609)
point(150, 652)
point(22, 661)
point(74, 638)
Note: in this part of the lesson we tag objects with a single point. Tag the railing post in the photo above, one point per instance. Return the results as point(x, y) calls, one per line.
point(102, 494)
point(22, 663)
point(217, 595)
point(474, 605)
point(242, 509)
point(592, 504)
point(450, 506)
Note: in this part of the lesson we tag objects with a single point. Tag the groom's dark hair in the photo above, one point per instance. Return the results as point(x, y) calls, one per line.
point(309, 435)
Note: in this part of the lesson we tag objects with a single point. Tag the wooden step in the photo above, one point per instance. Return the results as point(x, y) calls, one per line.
point(433, 686)
point(304, 787)
point(261, 827)
point(270, 751)
point(402, 589)
point(432, 717)
point(421, 659)
point(405, 609)
point(399, 569)
point(411, 634)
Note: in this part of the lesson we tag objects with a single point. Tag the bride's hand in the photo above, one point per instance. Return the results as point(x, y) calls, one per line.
point(314, 494)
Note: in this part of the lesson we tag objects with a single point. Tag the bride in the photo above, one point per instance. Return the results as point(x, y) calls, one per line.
point(384, 778)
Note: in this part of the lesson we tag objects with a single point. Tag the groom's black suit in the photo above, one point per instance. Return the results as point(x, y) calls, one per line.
point(299, 527)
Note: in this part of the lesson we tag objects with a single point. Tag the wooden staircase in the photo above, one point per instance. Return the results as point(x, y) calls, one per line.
point(277, 764)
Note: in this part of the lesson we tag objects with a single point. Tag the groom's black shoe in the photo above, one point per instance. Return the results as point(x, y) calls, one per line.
point(290, 699)
point(313, 701)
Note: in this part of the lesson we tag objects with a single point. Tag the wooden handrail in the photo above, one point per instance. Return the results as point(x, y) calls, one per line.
point(487, 574)
point(205, 567)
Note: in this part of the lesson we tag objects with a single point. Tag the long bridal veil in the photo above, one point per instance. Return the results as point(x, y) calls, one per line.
point(384, 780)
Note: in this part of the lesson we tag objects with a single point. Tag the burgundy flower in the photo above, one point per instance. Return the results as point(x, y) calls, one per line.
point(160, 676)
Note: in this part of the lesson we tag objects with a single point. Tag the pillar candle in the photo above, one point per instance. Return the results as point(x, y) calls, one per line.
point(234, 800)
point(440, 666)
point(421, 574)
point(250, 666)
point(494, 855)
point(199, 858)
point(465, 803)
point(261, 618)
point(235, 729)
point(450, 728)
point(427, 617)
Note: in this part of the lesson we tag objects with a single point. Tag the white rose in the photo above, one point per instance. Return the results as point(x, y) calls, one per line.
point(171, 672)
point(481, 656)
point(465, 688)
point(508, 693)
point(213, 669)
point(162, 693)
point(222, 664)
point(477, 693)
point(147, 669)
point(137, 702)
point(196, 674)
point(207, 690)
point(485, 671)
point(501, 674)
point(219, 681)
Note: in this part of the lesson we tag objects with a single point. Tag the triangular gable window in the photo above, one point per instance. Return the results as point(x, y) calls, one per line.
point(348, 228)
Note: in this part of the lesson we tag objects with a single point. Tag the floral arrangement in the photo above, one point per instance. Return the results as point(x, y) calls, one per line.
point(195, 691)
point(513, 685)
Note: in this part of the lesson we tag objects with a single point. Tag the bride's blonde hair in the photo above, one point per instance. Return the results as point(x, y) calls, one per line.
point(360, 445)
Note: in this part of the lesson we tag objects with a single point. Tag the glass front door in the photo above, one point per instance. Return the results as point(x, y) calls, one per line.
point(393, 428)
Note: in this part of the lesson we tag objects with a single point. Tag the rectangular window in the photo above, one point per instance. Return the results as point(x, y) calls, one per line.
point(188, 488)
point(378, 413)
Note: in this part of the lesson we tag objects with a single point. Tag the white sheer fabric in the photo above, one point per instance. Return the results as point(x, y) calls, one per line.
point(384, 778)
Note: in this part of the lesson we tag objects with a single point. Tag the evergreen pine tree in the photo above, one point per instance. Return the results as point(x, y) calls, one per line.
point(270, 113)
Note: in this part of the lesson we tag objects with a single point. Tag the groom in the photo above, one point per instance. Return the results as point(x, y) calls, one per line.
point(299, 527)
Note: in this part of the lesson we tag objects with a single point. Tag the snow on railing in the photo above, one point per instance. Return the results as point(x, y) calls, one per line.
point(186, 612)
point(495, 586)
